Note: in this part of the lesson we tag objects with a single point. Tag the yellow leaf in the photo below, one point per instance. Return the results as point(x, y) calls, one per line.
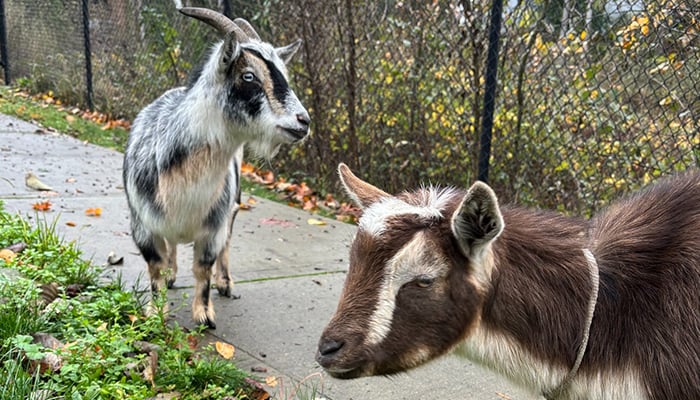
point(93, 212)
point(7, 255)
point(582, 35)
point(666, 101)
point(314, 221)
point(225, 350)
point(271, 381)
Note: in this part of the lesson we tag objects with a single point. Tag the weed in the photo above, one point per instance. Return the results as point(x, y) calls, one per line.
point(108, 348)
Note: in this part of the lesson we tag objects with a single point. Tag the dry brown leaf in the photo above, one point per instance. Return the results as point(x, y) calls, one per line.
point(149, 372)
point(225, 350)
point(42, 205)
point(70, 223)
point(49, 292)
point(17, 247)
point(192, 342)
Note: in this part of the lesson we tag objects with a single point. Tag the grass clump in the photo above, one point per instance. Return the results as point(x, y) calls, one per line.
point(74, 122)
point(64, 335)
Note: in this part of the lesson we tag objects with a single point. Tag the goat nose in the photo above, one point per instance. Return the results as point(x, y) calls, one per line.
point(329, 347)
point(304, 119)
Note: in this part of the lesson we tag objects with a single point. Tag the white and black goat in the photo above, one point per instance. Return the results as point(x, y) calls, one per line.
point(183, 159)
point(607, 308)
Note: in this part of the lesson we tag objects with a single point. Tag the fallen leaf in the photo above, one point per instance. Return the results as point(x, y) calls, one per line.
point(42, 205)
point(49, 292)
point(149, 372)
point(7, 255)
point(247, 168)
point(258, 369)
point(113, 259)
point(314, 221)
point(252, 201)
point(17, 247)
point(243, 206)
point(192, 342)
point(93, 212)
point(50, 362)
point(70, 223)
point(503, 396)
point(33, 182)
point(146, 347)
point(225, 350)
point(70, 119)
point(271, 381)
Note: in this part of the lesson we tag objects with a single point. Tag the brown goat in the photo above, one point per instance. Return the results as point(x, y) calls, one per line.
point(569, 308)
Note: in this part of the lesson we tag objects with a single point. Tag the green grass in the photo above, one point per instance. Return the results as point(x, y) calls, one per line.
point(102, 328)
point(56, 117)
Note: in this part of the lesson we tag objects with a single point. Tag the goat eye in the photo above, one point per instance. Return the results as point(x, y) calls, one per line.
point(424, 281)
point(248, 77)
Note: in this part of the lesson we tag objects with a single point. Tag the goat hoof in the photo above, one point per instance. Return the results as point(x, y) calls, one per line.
point(170, 283)
point(225, 291)
point(206, 323)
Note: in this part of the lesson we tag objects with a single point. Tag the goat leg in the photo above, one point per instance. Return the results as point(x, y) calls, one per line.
point(172, 265)
point(202, 306)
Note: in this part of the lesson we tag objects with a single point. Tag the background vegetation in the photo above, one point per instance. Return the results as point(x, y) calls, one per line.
point(595, 97)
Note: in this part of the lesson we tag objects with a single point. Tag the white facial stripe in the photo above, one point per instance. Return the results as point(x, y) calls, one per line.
point(408, 263)
point(432, 202)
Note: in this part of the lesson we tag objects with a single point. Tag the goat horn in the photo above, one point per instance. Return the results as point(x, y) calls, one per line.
point(247, 28)
point(219, 21)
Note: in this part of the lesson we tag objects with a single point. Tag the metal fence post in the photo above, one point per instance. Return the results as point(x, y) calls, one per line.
point(3, 44)
point(490, 90)
point(226, 8)
point(88, 53)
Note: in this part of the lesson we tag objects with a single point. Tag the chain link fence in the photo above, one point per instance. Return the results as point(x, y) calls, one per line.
point(594, 98)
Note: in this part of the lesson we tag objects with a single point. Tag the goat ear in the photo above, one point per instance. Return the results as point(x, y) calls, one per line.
point(229, 51)
point(478, 220)
point(287, 52)
point(362, 192)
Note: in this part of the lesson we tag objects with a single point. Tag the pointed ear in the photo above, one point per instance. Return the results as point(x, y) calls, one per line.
point(287, 52)
point(362, 192)
point(478, 220)
point(229, 51)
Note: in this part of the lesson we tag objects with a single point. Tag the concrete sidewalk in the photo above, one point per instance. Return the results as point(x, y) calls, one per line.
point(288, 273)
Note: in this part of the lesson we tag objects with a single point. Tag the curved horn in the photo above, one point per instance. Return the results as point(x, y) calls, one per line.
point(247, 28)
point(219, 21)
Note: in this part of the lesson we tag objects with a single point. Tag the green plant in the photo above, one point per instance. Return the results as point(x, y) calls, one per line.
point(107, 347)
